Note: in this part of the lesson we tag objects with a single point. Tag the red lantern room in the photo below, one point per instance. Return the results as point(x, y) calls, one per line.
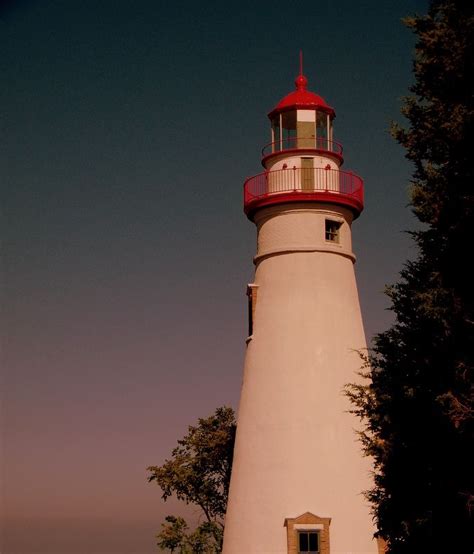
point(302, 162)
point(302, 119)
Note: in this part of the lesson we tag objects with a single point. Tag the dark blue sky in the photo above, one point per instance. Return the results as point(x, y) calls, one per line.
point(127, 131)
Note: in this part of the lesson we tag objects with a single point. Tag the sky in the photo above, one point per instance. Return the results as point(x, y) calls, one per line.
point(127, 130)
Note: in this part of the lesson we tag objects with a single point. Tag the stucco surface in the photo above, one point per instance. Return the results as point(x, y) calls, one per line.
point(296, 449)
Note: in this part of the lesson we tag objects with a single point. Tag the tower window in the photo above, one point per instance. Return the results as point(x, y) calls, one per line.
point(308, 542)
point(308, 534)
point(332, 230)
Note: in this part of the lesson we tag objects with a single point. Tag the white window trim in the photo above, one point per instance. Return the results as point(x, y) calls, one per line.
point(308, 526)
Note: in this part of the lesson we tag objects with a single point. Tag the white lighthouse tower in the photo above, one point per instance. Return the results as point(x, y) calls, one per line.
point(298, 471)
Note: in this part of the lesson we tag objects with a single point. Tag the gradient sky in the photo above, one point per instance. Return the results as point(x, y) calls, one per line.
point(127, 131)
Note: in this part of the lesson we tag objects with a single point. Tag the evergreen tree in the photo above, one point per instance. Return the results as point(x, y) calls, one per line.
point(418, 401)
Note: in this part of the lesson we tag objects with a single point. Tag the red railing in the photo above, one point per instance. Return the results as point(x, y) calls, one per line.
point(295, 143)
point(303, 184)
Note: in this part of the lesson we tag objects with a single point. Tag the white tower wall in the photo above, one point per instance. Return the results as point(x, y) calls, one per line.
point(296, 449)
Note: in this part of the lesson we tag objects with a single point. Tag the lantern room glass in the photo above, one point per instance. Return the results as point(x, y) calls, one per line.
point(276, 137)
point(285, 134)
point(323, 130)
point(288, 129)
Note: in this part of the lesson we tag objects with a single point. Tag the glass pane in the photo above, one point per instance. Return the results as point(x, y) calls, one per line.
point(288, 130)
point(289, 120)
point(303, 542)
point(321, 130)
point(313, 542)
point(332, 230)
point(276, 132)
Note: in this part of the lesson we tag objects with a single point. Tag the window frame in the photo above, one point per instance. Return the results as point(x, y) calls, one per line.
point(334, 234)
point(309, 532)
point(308, 522)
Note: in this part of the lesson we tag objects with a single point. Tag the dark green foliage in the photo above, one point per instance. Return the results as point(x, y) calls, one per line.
point(173, 534)
point(418, 405)
point(199, 473)
point(205, 539)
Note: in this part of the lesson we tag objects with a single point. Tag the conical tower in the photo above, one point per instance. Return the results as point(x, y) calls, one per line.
point(298, 470)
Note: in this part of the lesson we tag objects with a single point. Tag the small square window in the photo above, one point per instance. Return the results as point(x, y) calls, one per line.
point(308, 542)
point(332, 230)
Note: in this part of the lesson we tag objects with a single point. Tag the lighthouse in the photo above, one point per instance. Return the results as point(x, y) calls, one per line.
point(298, 473)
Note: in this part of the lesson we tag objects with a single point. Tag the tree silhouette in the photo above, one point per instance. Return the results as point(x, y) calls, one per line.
point(418, 402)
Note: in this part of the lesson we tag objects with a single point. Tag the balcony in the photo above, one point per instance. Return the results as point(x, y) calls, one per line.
point(304, 185)
point(319, 144)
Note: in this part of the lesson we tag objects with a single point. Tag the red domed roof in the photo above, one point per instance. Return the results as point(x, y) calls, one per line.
point(301, 98)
